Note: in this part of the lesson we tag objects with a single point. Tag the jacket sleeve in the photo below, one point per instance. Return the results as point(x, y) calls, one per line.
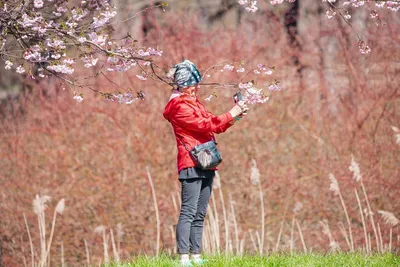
point(191, 118)
point(224, 127)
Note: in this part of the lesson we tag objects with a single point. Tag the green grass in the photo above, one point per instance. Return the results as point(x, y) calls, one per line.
point(330, 260)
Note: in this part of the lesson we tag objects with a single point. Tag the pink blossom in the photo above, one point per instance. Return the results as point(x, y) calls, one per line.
point(373, 14)
point(33, 56)
point(154, 52)
point(364, 48)
point(276, 2)
point(253, 7)
point(330, 14)
point(228, 67)
point(240, 70)
point(268, 70)
point(256, 72)
point(8, 65)
point(78, 98)
point(20, 69)
point(141, 77)
point(61, 68)
point(78, 15)
point(56, 43)
point(82, 39)
point(143, 53)
point(56, 56)
point(62, 9)
point(98, 39)
point(274, 87)
point(242, 2)
point(71, 24)
point(254, 95)
point(28, 21)
point(101, 21)
point(69, 61)
point(126, 98)
point(208, 98)
point(112, 60)
point(245, 85)
point(89, 61)
point(39, 29)
point(38, 3)
point(347, 16)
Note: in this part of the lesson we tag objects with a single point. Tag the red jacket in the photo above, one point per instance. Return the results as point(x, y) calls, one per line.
point(193, 125)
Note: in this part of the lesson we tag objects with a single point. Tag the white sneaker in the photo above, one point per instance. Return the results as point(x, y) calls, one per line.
point(199, 261)
point(185, 263)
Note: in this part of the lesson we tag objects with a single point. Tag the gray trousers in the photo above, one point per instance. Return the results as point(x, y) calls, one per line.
point(195, 195)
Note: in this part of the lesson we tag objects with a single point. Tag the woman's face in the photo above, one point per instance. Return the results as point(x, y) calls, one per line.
point(191, 90)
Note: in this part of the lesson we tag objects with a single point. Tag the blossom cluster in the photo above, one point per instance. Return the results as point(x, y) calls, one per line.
point(252, 94)
point(251, 5)
point(59, 37)
point(264, 69)
point(333, 10)
point(125, 98)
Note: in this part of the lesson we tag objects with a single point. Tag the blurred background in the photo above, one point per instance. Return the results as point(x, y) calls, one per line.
point(334, 104)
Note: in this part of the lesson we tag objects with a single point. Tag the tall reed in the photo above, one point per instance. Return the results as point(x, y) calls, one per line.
point(59, 209)
point(30, 242)
point(301, 236)
point(87, 252)
point(114, 247)
point(367, 246)
point(255, 180)
point(326, 230)
point(355, 168)
point(62, 254)
point(153, 191)
point(101, 229)
point(334, 186)
point(390, 219)
point(221, 197)
point(237, 246)
point(39, 206)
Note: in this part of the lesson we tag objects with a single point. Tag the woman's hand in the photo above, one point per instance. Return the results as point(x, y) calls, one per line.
point(239, 109)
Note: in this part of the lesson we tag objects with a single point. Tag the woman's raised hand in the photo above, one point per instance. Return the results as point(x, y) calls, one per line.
point(239, 109)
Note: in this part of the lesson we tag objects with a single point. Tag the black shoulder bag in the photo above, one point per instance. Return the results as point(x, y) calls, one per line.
point(205, 155)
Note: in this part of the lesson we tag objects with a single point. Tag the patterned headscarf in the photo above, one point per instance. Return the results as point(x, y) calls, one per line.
point(185, 74)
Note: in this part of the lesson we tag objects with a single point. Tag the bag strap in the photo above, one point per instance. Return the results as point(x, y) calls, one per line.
point(180, 139)
point(187, 149)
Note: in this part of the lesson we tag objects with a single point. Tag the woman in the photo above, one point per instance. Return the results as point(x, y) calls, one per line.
point(193, 125)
